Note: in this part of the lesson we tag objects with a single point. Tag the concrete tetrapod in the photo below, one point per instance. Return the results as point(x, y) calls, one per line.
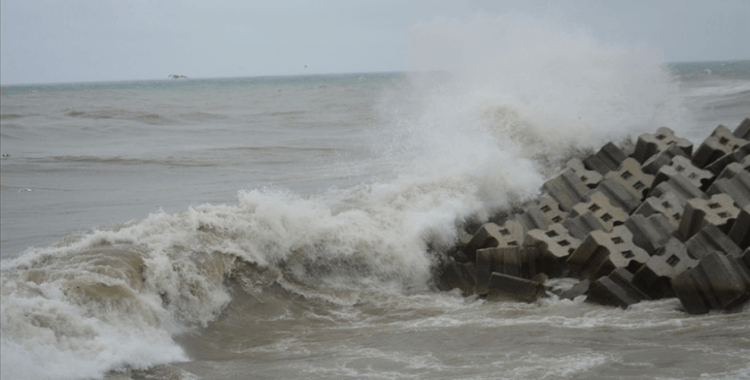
point(598, 204)
point(511, 233)
point(616, 289)
point(682, 165)
point(504, 287)
point(719, 211)
point(654, 278)
point(650, 144)
point(555, 245)
point(608, 158)
point(630, 176)
point(567, 189)
point(717, 282)
point(602, 252)
point(720, 143)
point(668, 204)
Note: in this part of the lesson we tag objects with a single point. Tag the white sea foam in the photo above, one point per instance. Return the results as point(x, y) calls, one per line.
point(520, 93)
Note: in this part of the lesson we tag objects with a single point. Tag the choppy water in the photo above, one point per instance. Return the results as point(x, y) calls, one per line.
point(279, 227)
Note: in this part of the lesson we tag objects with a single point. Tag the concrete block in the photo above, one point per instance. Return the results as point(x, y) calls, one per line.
point(618, 194)
point(691, 296)
point(567, 189)
point(736, 155)
point(551, 209)
point(743, 130)
point(599, 206)
point(740, 231)
point(650, 233)
point(540, 213)
point(589, 177)
point(608, 158)
point(740, 264)
point(720, 143)
point(525, 262)
point(719, 211)
point(616, 289)
point(668, 204)
point(726, 283)
point(580, 226)
point(579, 289)
point(555, 245)
point(453, 275)
point(682, 166)
point(650, 144)
point(630, 175)
point(663, 158)
point(681, 187)
point(489, 260)
point(654, 277)
point(732, 169)
point(602, 252)
point(711, 239)
point(737, 187)
point(532, 219)
point(503, 287)
point(511, 233)
point(745, 258)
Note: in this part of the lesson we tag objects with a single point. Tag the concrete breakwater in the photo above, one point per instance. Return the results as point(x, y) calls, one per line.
point(654, 220)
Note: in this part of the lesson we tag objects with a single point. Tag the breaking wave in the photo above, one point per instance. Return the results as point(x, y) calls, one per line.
point(490, 106)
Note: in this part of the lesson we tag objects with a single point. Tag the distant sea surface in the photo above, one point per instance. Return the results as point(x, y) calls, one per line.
point(288, 227)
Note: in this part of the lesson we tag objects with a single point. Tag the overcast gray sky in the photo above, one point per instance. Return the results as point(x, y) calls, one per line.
point(46, 41)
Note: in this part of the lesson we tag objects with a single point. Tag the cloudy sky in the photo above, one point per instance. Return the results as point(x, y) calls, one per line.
point(46, 41)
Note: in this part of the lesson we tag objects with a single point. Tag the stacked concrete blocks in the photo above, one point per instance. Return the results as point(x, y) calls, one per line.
point(682, 165)
point(719, 211)
point(608, 158)
point(567, 189)
point(631, 228)
point(603, 252)
point(521, 262)
point(653, 164)
point(510, 234)
point(721, 142)
point(668, 205)
point(711, 239)
point(630, 176)
point(540, 214)
point(616, 289)
point(650, 144)
point(718, 282)
point(555, 245)
point(650, 233)
point(589, 177)
point(599, 206)
point(655, 277)
point(737, 186)
point(732, 169)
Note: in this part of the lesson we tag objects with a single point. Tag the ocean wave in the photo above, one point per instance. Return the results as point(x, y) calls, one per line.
point(520, 94)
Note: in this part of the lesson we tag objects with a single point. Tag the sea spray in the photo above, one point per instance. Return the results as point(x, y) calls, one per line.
point(515, 95)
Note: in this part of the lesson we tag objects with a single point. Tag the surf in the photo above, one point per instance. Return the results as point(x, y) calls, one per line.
point(489, 108)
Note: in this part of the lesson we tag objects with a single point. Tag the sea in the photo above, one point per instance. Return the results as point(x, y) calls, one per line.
point(289, 227)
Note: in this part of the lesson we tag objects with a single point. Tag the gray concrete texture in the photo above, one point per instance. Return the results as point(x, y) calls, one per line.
point(631, 227)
